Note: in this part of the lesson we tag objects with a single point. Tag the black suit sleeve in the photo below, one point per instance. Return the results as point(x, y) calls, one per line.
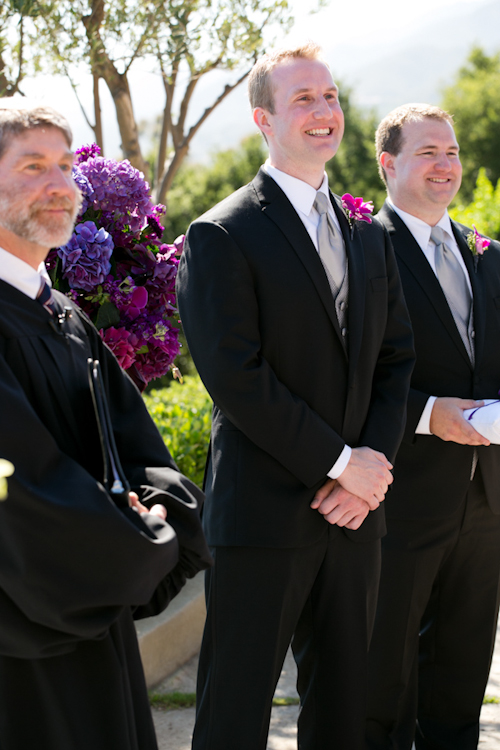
point(385, 421)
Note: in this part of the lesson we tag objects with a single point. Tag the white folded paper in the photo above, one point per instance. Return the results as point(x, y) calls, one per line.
point(486, 419)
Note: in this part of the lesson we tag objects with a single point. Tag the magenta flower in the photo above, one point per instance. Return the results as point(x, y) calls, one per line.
point(357, 209)
point(87, 152)
point(477, 245)
point(480, 243)
point(118, 340)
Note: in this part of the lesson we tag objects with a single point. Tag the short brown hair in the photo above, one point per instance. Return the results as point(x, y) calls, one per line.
point(389, 134)
point(15, 122)
point(260, 90)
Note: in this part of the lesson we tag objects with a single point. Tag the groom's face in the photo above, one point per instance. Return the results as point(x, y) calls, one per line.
point(307, 125)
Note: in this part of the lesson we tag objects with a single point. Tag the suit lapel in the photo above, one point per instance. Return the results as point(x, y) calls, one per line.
point(278, 209)
point(410, 253)
point(357, 285)
point(477, 282)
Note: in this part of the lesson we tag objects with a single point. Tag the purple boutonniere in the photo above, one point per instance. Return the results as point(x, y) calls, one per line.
point(477, 245)
point(356, 209)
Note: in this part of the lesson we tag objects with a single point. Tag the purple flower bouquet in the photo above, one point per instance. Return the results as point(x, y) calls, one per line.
point(117, 269)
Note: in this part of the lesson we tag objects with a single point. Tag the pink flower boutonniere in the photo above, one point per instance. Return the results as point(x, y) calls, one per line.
point(356, 209)
point(477, 245)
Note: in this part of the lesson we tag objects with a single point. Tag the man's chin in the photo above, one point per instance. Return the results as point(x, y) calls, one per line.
point(50, 236)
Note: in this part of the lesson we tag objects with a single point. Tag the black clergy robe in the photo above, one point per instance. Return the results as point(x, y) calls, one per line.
point(74, 569)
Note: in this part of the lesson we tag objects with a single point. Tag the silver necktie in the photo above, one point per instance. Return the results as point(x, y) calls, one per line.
point(330, 245)
point(453, 283)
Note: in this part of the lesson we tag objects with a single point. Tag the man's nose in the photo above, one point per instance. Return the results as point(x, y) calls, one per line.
point(60, 182)
point(322, 108)
point(443, 162)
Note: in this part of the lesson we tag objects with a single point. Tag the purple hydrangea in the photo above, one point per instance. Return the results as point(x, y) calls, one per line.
point(86, 257)
point(120, 191)
point(119, 218)
point(85, 189)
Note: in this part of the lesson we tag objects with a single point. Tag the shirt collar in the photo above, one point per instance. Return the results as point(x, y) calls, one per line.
point(420, 229)
point(21, 275)
point(300, 194)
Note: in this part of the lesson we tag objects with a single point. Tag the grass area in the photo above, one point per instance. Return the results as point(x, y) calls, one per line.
point(169, 701)
point(172, 701)
point(294, 701)
point(490, 699)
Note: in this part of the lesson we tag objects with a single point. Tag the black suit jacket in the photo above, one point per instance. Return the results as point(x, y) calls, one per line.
point(431, 475)
point(261, 326)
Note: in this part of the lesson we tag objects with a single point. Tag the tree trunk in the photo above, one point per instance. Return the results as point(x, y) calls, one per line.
point(120, 91)
point(97, 112)
point(117, 83)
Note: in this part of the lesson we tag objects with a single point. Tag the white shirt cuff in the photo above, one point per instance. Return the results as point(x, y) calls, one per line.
point(341, 463)
point(423, 427)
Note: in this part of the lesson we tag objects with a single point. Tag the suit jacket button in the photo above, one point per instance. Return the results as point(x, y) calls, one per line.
point(344, 332)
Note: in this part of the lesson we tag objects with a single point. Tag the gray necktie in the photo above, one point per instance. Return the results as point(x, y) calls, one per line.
point(453, 282)
point(330, 245)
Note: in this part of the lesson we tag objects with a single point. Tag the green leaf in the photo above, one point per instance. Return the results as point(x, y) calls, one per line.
point(107, 316)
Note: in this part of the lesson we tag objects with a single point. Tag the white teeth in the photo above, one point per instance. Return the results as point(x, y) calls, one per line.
point(437, 179)
point(319, 131)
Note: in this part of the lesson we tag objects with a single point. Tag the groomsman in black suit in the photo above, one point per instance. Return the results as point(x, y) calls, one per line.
point(437, 612)
point(297, 325)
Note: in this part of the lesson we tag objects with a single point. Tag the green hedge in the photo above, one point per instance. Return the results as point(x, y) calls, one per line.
point(183, 412)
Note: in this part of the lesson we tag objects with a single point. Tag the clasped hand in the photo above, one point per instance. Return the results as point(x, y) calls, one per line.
point(156, 510)
point(360, 488)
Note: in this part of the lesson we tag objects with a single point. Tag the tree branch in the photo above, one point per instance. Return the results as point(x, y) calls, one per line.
point(227, 90)
point(182, 150)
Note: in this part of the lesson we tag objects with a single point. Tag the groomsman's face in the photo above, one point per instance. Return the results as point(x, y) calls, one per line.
point(307, 126)
point(425, 176)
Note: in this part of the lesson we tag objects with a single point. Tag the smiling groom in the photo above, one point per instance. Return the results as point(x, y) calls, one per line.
point(299, 330)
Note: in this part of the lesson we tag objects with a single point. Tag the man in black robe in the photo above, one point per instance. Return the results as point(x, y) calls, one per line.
point(74, 568)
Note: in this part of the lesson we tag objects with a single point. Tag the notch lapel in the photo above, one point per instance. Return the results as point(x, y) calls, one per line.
point(409, 252)
point(357, 285)
point(477, 282)
point(279, 210)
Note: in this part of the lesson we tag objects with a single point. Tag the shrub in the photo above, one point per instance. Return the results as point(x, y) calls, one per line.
point(182, 412)
point(484, 211)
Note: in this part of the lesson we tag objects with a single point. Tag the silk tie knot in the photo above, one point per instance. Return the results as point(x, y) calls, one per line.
point(321, 203)
point(438, 236)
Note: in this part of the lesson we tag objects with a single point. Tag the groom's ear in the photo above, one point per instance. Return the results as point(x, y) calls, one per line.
point(387, 162)
point(261, 118)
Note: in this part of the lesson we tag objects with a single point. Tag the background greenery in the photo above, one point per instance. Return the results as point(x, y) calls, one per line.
point(182, 412)
point(474, 101)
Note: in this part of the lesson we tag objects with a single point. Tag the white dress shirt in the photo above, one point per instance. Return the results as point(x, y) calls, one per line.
point(302, 196)
point(422, 234)
point(21, 275)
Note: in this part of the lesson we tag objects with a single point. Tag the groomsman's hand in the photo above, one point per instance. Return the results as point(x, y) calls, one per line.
point(367, 475)
point(447, 421)
point(341, 507)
